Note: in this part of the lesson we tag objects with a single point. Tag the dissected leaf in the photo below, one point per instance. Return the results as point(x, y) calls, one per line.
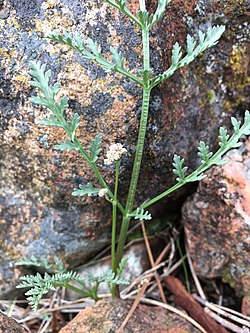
point(179, 170)
point(88, 189)
point(204, 153)
point(73, 125)
point(140, 214)
point(176, 54)
point(117, 57)
point(67, 145)
point(96, 147)
point(51, 121)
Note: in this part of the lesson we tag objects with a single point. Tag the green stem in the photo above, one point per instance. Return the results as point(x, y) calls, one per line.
point(139, 148)
point(129, 75)
point(114, 215)
point(75, 289)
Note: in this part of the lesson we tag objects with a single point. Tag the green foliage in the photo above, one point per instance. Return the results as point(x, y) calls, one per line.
point(39, 285)
point(91, 50)
point(40, 80)
point(206, 40)
point(121, 5)
point(56, 266)
point(179, 170)
point(48, 97)
point(140, 214)
point(51, 121)
point(95, 147)
point(226, 142)
point(67, 145)
point(204, 153)
point(117, 57)
point(159, 12)
point(223, 137)
point(121, 267)
point(89, 190)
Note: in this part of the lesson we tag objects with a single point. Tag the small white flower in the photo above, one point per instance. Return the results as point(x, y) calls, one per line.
point(114, 153)
point(103, 192)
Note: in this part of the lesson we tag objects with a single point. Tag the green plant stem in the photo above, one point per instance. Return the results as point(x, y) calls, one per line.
point(114, 215)
point(114, 289)
point(139, 148)
point(75, 289)
point(183, 263)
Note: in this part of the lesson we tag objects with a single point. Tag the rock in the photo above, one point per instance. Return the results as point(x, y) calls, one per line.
point(107, 316)
point(217, 222)
point(9, 325)
point(38, 214)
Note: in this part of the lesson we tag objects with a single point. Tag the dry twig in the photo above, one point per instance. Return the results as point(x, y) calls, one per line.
point(187, 302)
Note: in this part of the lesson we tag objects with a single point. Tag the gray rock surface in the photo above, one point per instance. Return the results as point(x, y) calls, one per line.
point(38, 214)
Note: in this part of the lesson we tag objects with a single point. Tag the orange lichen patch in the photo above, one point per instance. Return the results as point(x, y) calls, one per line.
point(76, 84)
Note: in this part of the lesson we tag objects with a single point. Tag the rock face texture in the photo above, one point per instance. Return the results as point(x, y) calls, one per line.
point(9, 325)
point(217, 222)
point(38, 214)
point(107, 316)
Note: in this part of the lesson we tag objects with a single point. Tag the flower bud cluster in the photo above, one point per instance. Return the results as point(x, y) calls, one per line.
point(114, 153)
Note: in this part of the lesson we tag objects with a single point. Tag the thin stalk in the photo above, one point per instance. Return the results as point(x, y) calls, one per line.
point(183, 262)
point(75, 289)
point(114, 290)
point(114, 215)
point(139, 148)
point(160, 196)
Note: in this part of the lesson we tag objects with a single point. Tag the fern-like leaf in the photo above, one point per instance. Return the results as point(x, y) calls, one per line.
point(51, 121)
point(191, 43)
point(154, 18)
point(117, 57)
point(176, 54)
point(179, 170)
point(206, 40)
point(121, 267)
point(56, 266)
point(223, 137)
point(140, 214)
point(67, 145)
point(95, 147)
point(89, 190)
point(204, 153)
